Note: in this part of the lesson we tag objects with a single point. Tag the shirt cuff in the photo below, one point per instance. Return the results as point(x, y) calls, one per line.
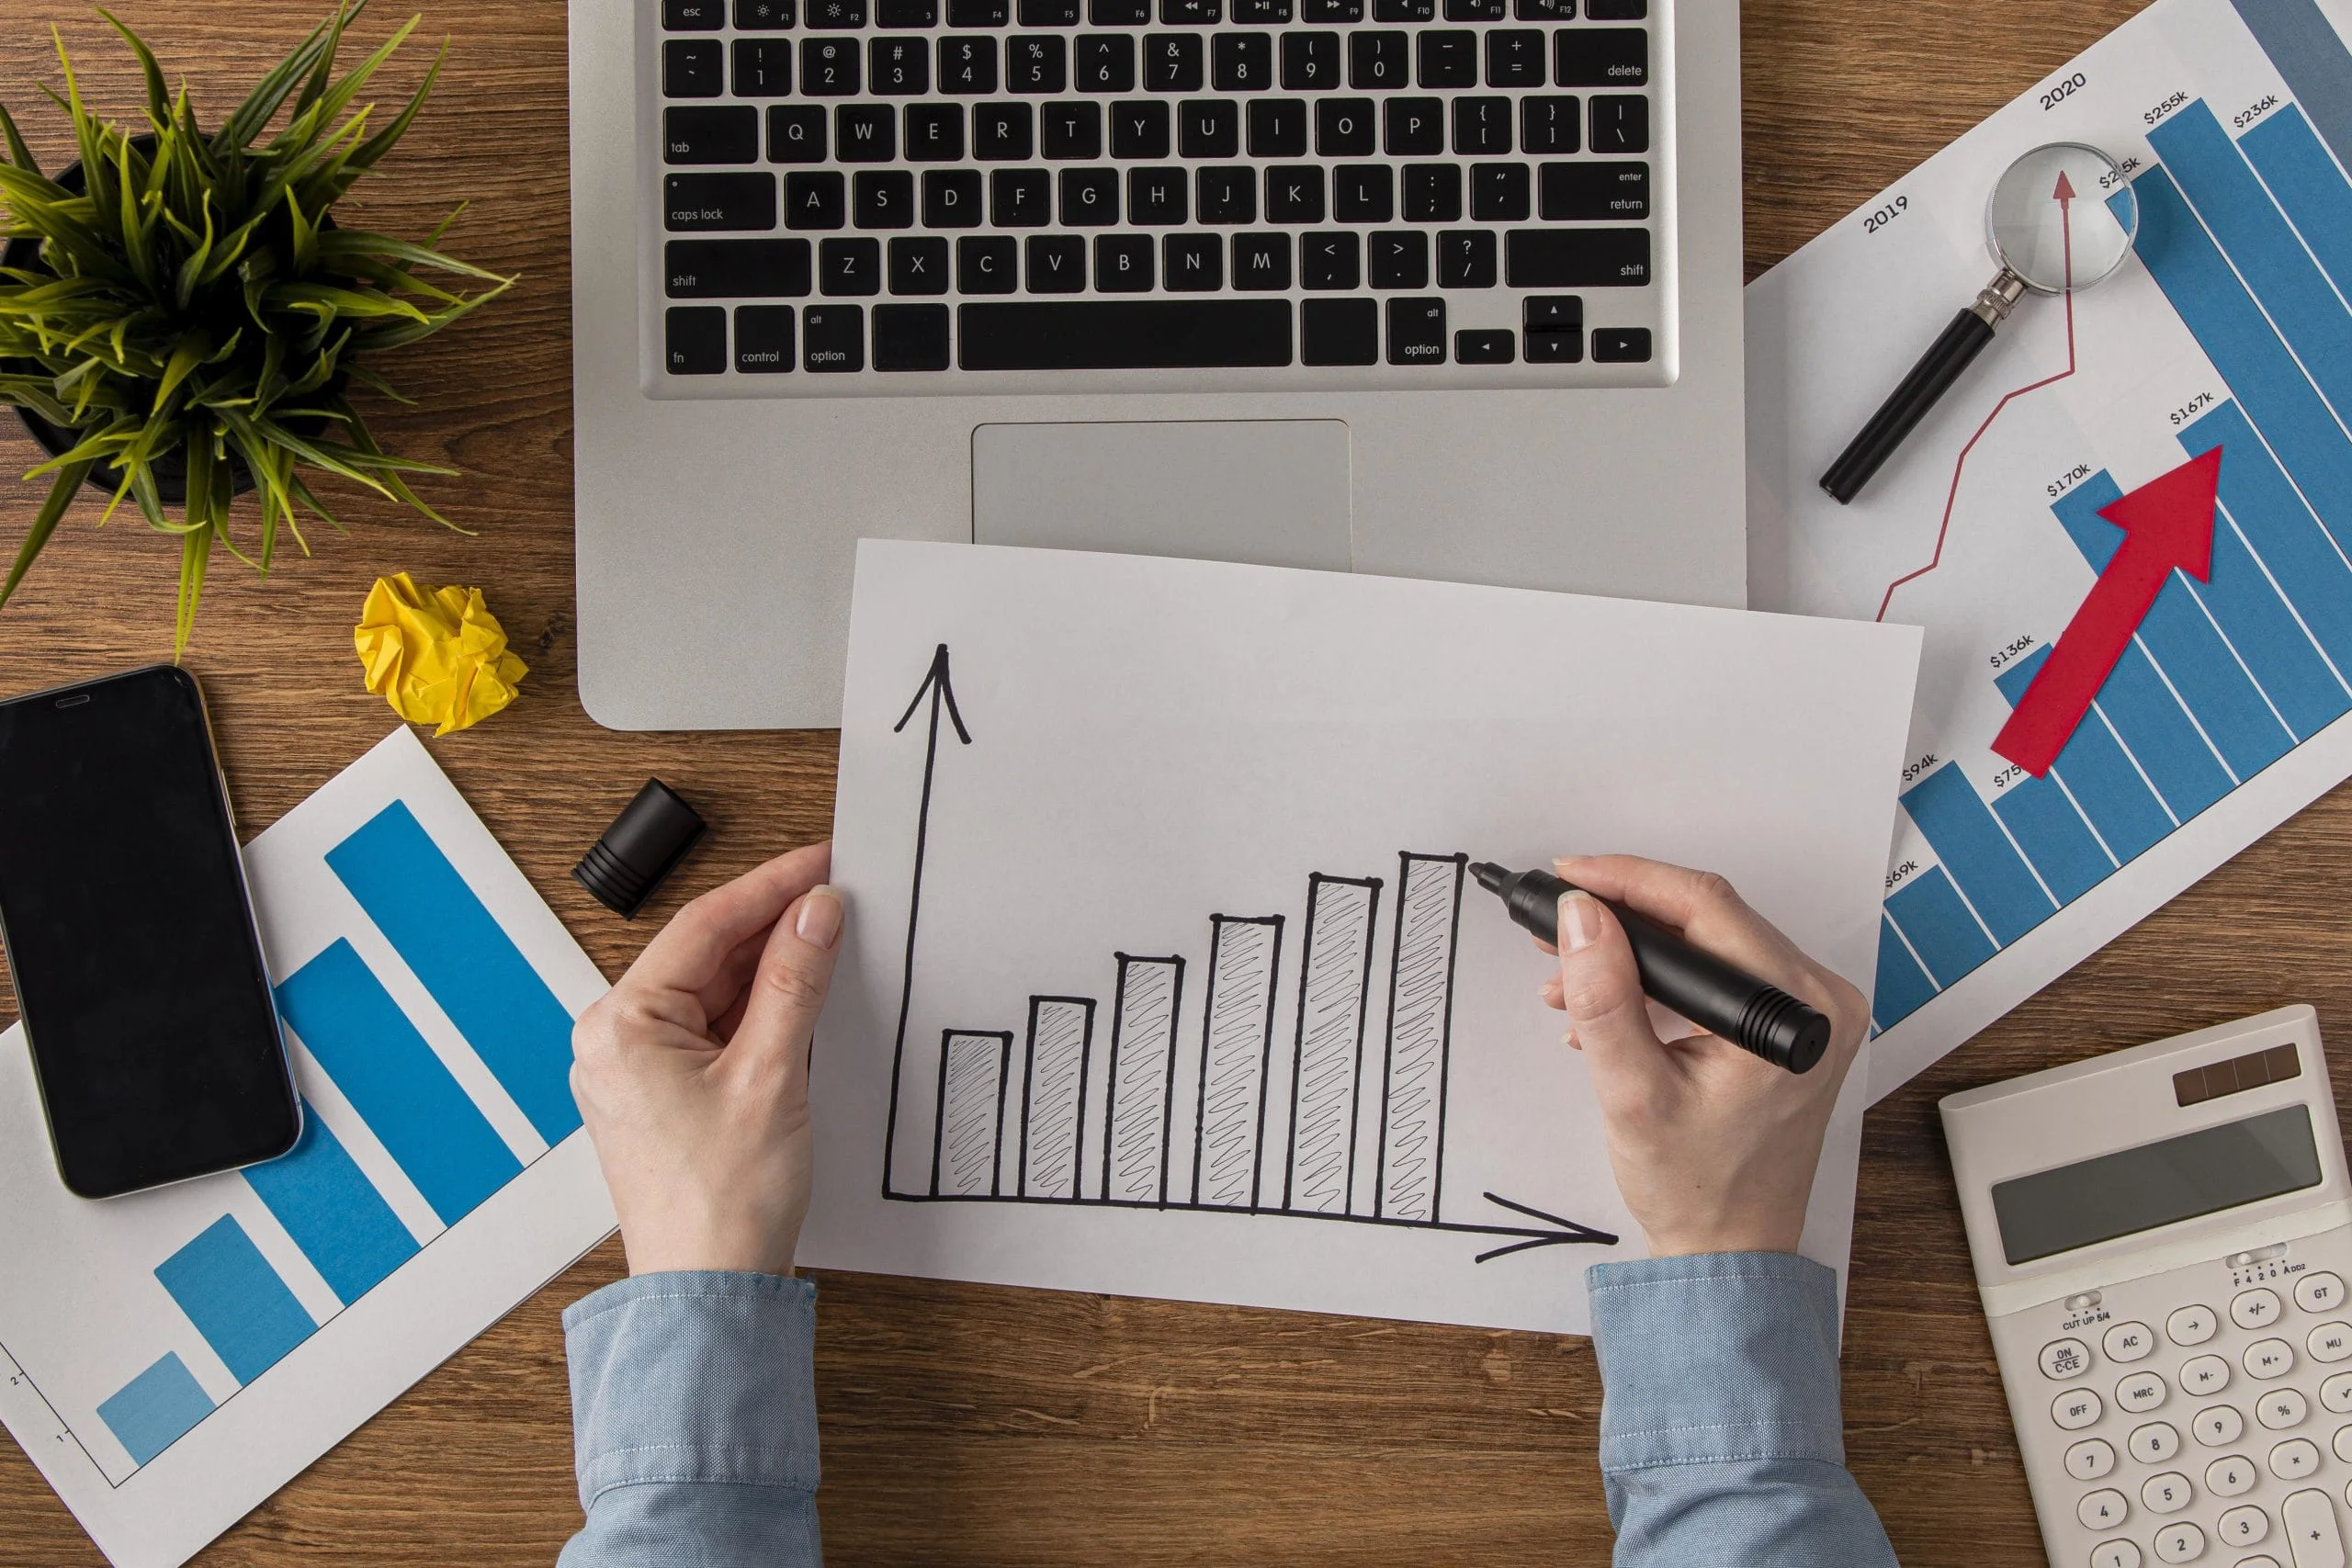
point(1720, 1357)
point(693, 1377)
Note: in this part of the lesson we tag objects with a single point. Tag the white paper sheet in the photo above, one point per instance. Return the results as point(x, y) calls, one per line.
point(1154, 744)
point(97, 1353)
point(2229, 326)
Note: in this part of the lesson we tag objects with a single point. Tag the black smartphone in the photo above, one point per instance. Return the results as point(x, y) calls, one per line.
point(138, 968)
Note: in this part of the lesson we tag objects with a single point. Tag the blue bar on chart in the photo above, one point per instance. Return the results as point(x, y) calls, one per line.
point(156, 1408)
point(2224, 318)
point(461, 954)
point(2256, 497)
point(1903, 988)
point(235, 1299)
point(2054, 836)
point(2311, 55)
point(2099, 773)
point(358, 1035)
point(2308, 185)
point(1943, 933)
point(332, 1212)
point(1978, 856)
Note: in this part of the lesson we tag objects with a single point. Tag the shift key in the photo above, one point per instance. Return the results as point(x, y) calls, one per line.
point(705, 202)
point(1577, 258)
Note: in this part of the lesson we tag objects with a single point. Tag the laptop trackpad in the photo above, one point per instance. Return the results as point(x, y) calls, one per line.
point(1273, 492)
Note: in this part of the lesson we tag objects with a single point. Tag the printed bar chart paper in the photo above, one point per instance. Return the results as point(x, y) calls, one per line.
point(170, 1358)
point(2228, 329)
point(1164, 974)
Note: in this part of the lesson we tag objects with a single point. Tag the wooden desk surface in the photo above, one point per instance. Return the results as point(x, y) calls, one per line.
point(976, 1426)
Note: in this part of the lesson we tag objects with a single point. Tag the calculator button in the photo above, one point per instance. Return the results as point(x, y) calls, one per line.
point(2308, 1519)
point(2103, 1509)
point(2217, 1424)
point(2179, 1543)
point(2140, 1392)
point(2294, 1459)
point(2319, 1293)
point(2201, 1375)
point(2091, 1457)
point(2129, 1341)
point(2230, 1477)
point(2281, 1408)
point(2167, 1494)
point(2115, 1554)
point(2343, 1447)
point(2154, 1443)
point(2262, 1560)
point(2268, 1358)
point(2064, 1358)
point(2244, 1524)
point(2330, 1342)
point(2076, 1409)
point(2257, 1308)
point(2336, 1393)
point(2191, 1325)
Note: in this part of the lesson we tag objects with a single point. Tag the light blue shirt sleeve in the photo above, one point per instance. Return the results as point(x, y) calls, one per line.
point(1721, 1441)
point(694, 1422)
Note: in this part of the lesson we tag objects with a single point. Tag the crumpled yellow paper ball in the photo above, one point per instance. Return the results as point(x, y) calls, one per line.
point(437, 655)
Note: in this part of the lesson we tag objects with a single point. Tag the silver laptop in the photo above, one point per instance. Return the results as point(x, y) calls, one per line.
point(1428, 288)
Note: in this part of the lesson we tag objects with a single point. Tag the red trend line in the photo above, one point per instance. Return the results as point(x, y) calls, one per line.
point(2064, 196)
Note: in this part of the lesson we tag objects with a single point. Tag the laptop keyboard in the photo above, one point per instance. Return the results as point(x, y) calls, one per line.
point(895, 196)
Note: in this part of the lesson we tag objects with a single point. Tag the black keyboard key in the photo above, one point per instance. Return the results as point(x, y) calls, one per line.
point(1208, 127)
point(1498, 193)
point(1364, 193)
point(1294, 194)
point(1242, 63)
point(763, 68)
point(1600, 57)
point(1515, 57)
point(1229, 194)
point(694, 68)
point(1545, 10)
point(1577, 259)
point(978, 13)
point(1330, 260)
point(1119, 13)
point(832, 338)
point(1155, 197)
point(1404, 10)
point(934, 133)
point(1106, 63)
point(1448, 60)
point(967, 65)
point(1195, 263)
point(1002, 133)
point(1056, 264)
point(951, 199)
point(1310, 61)
point(1620, 123)
point(864, 133)
point(1263, 13)
point(1123, 264)
point(1139, 129)
point(1552, 313)
point(883, 199)
point(1338, 11)
point(1378, 61)
point(1550, 125)
point(1049, 13)
point(693, 16)
point(1089, 198)
point(987, 263)
point(735, 269)
point(712, 135)
point(907, 13)
point(1476, 10)
point(837, 13)
point(849, 267)
point(1617, 10)
point(1400, 258)
point(1343, 128)
point(818, 199)
point(693, 203)
point(1072, 130)
point(1552, 344)
point(1171, 62)
point(910, 337)
point(1191, 13)
point(1413, 128)
point(1124, 334)
point(1585, 192)
point(1620, 346)
point(1020, 198)
point(1492, 347)
point(763, 335)
point(899, 67)
point(1262, 262)
point(1036, 64)
point(918, 264)
point(1432, 193)
point(829, 67)
point(763, 15)
point(796, 134)
point(1416, 332)
point(1465, 259)
point(1339, 332)
point(695, 340)
point(1278, 128)
point(1481, 126)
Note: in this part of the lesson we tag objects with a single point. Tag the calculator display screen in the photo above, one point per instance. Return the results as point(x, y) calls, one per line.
point(2155, 1184)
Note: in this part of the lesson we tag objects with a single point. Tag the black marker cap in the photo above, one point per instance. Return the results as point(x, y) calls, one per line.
point(643, 846)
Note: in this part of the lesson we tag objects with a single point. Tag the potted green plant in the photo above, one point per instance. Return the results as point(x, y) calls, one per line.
point(180, 316)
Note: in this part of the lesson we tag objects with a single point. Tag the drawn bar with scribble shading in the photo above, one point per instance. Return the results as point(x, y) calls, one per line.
point(1421, 1029)
point(1142, 1070)
point(1053, 1096)
point(968, 1144)
point(1326, 1051)
point(1237, 1049)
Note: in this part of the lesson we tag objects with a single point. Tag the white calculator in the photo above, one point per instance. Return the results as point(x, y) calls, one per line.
point(2162, 1239)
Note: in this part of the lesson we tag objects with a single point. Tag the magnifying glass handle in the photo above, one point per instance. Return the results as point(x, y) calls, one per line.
point(1950, 355)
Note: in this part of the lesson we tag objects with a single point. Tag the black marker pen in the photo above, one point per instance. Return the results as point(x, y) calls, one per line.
point(1719, 999)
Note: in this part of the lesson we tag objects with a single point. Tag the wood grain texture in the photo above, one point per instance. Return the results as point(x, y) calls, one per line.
point(969, 1425)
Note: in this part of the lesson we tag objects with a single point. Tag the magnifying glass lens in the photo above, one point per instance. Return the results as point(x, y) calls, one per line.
point(2062, 218)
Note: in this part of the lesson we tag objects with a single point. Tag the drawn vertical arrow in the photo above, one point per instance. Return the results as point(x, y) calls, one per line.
point(941, 689)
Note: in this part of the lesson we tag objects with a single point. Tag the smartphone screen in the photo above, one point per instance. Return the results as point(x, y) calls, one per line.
point(137, 968)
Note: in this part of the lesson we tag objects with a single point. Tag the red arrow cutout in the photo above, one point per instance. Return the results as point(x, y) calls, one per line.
point(2168, 522)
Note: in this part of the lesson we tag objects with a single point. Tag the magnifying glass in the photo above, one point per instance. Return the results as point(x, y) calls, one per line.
point(2062, 218)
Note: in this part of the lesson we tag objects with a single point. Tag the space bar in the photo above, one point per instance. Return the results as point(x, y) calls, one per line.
point(1123, 335)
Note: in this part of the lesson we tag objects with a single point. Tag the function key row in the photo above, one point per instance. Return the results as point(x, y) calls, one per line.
point(779, 15)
